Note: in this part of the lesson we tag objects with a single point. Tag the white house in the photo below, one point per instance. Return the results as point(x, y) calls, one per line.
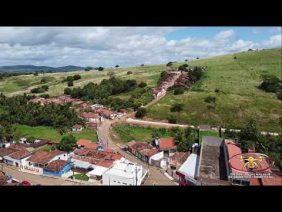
point(124, 173)
point(16, 158)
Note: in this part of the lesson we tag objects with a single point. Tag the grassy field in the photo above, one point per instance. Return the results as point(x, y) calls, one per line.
point(20, 84)
point(49, 133)
point(239, 98)
point(127, 133)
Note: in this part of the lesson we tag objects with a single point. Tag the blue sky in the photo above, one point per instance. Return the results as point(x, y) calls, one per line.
point(127, 46)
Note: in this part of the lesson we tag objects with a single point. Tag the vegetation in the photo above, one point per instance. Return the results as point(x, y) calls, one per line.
point(239, 98)
point(83, 177)
point(67, 143)
point(178, 90)
point(141, 112)
point(176, 107)
point(41, 89)
point(185, 138)
point(271, 83)
point(17, 110)
point(250, 138)
point(127, 133)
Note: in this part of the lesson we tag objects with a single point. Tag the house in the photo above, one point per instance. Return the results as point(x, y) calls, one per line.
point(147, 154)
point(87, 144)
point(124, 173)
point(40, 159)
point(166, 144)
point(58, 168)
point(188, 171)
point(77, 128)
point(135, 146)
point(16, 158)
point(5, 152)
point(91, 125)
point(90, 117)
point(3, 178)
point(177, 159)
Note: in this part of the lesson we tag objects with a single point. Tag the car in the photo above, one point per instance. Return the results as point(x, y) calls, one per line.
point(25, 183)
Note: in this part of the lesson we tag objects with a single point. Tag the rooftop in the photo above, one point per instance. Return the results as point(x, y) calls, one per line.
point(56, 165)
point(43, 157)
point(20, 154)
point(88, 144)
point(189, 167)
point(167, 143)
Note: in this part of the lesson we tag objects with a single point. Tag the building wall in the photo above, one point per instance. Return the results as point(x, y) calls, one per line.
point(65, 169)
point(157, 156)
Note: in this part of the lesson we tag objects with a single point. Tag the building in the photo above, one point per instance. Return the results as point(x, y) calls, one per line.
point(212, 166)
point(124, 173)
point(90, 117)
point(16, 158)
point(3, 178)
point(188, 171)
point(40, 159)
point(166, 144)
point(58, 168)
point(77, 128)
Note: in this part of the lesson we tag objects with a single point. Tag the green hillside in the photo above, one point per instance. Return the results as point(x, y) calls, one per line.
point(238, 98)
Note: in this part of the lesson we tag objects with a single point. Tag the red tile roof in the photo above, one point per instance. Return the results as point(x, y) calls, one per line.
point(105, 163)
point(167, 143)
point(149, 152)
point(20, 154)
point(87, 144)
point(138, 146)
point(56, 165)
point(7, 151)
point(43, 157)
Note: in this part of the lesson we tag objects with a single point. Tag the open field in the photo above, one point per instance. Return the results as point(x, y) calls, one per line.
point(238, 100)
point(49, 133)
point(127, 133)
point(20, 84)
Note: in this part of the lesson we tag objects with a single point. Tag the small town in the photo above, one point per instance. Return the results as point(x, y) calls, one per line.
point(186, 122)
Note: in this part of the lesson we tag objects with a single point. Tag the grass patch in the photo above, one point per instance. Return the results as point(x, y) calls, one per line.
point(127, 133)
point(83, 177)
point(49, 133)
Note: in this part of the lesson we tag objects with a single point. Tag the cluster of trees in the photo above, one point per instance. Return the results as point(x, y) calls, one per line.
point(67, 143)
point(185, 138)
point(141, 112)
point(70, 79)
point(6, 131)
point(271, 84)
point(250, 138)
point(103, 93)
point(11, 74)
point(17, 110)
point(88, 68)
point(40, 89)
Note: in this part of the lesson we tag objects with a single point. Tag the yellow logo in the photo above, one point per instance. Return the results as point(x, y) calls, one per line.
point(251, 163)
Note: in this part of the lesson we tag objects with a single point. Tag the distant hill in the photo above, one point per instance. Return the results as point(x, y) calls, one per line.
point(32, 68)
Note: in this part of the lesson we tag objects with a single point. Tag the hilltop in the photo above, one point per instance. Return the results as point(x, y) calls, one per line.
point(32, 68)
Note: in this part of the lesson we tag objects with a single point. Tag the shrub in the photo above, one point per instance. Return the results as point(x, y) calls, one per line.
point(37, 90)
point(70, 83)
point(141, 112)
point(100, 68)
point(142, 85)
point(270, 83)
point(169, 64)
point(70, 78)
point(67, 91)
point(210, 99)
point(183, 67)
point(129, 72)
point(177, 107)
point(172, 119)
point(216, 90)
point(88, 68)
point(279, 95)
point(76, 77)
point(45, 87)
point(67, 143)
point(117, 66)
point(178, 90)
point(45, 96)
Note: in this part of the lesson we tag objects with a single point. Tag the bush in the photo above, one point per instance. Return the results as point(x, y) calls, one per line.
point(67, 91)
point(88, 68)
point(45, 87)
point(172, 119)
point(177, 107)
point(216, 90)
point(70, 83)
point(117, 66)
point(142, 65)
point(183, 67)
point(76, 77)
point(270, 83)
point(100, 68)
point(210, 99)
point(169, 64)
point(178, 91)
point(141, 112)
point(129, 72)
point(142, 85)
point(279, 95)
point(37, 90)
point(45, 96)
point(70, 78)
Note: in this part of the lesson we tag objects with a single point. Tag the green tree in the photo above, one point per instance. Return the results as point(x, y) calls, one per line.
point(177, 107)
point(141, 112)
point(70, 83)
point(67, 143)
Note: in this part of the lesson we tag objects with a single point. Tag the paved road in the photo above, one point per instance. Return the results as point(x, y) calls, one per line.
point(36, 179)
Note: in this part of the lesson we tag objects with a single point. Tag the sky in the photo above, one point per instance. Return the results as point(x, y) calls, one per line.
point(127, 46)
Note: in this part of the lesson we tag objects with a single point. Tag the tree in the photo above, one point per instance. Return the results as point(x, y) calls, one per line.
point(156, 134)
point(117, 66)
point(70, 83)
point(67, 91)
point(88, 68)
point(45, 87)
point(67, 143)
point(249, 135)
point(100, 68)
point(36, 73)
point(190, 137)
point(177, 107)
point(129, 72)
point(141, 112)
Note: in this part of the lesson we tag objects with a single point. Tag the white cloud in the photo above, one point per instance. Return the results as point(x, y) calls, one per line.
point(108, 46)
